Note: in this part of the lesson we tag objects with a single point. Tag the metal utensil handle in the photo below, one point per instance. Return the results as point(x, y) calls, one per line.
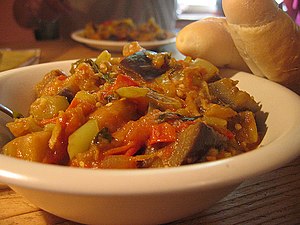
point(10, 112)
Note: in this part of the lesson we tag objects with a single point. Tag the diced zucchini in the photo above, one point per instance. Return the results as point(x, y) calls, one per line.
point(103, 57)
point(47, 107)
point(132, 92)
point(85, 97)
point(81, 139)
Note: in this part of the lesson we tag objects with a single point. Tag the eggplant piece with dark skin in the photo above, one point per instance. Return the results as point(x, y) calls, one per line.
point(192, 144)
point(225, 92)
point(69, 94)
point(196, 140)
point(142, 63)
point(163, 102)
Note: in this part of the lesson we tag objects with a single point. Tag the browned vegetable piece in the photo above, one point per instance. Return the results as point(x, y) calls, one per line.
point(32, 147)
point(219, 111)
point(245, 128)
point(22, 126)
point(118, 162)
point(148, 64)
point(226, 92)
point(131, 48)
point(115, 114)
point(50, 84)
point(192, 144)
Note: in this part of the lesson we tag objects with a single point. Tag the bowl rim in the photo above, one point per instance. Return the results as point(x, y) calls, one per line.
point(128, 181)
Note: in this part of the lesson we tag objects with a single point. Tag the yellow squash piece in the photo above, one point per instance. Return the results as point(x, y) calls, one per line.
point(132, 92)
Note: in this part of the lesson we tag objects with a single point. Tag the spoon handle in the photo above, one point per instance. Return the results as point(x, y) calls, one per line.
point(10, 112)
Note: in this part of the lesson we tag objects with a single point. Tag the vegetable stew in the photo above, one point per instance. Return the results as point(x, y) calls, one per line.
point(142, 110)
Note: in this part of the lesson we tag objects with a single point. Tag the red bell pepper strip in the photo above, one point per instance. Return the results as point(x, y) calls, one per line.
point(162, 132)
point(123, 81)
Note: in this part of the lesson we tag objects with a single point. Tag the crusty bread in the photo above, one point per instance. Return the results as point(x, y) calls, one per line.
point(266, 38)
point(209, 39)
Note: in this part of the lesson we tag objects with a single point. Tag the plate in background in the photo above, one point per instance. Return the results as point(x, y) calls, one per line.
point(117, 46)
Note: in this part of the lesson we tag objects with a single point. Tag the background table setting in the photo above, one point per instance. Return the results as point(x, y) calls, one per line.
point(271, 198)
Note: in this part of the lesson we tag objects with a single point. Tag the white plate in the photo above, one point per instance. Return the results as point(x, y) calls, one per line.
point(118, 45)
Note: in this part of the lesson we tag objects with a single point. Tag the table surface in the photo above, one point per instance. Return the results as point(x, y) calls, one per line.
point(272, 198)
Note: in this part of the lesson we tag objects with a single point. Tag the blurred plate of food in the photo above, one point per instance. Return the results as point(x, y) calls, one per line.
point(10, 59)
point(114, 34)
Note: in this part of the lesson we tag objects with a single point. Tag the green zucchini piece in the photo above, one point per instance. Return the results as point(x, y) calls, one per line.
point(81, 139)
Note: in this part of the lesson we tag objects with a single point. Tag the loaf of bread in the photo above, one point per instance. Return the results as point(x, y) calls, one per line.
point(267, 39)
point(209, 39)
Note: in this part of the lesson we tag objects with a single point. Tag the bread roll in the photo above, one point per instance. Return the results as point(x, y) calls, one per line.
point(209, 39)
point(267, 39)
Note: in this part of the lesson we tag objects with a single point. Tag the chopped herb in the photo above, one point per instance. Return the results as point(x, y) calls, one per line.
point(103, 135)
point(175, 116)
point(107, 77)
point(88, 61)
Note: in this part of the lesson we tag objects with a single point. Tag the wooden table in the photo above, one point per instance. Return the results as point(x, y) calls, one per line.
point(272, 198)
point(56, 50)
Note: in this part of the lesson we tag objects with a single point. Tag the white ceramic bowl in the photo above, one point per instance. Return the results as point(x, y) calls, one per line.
point(146, 196)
